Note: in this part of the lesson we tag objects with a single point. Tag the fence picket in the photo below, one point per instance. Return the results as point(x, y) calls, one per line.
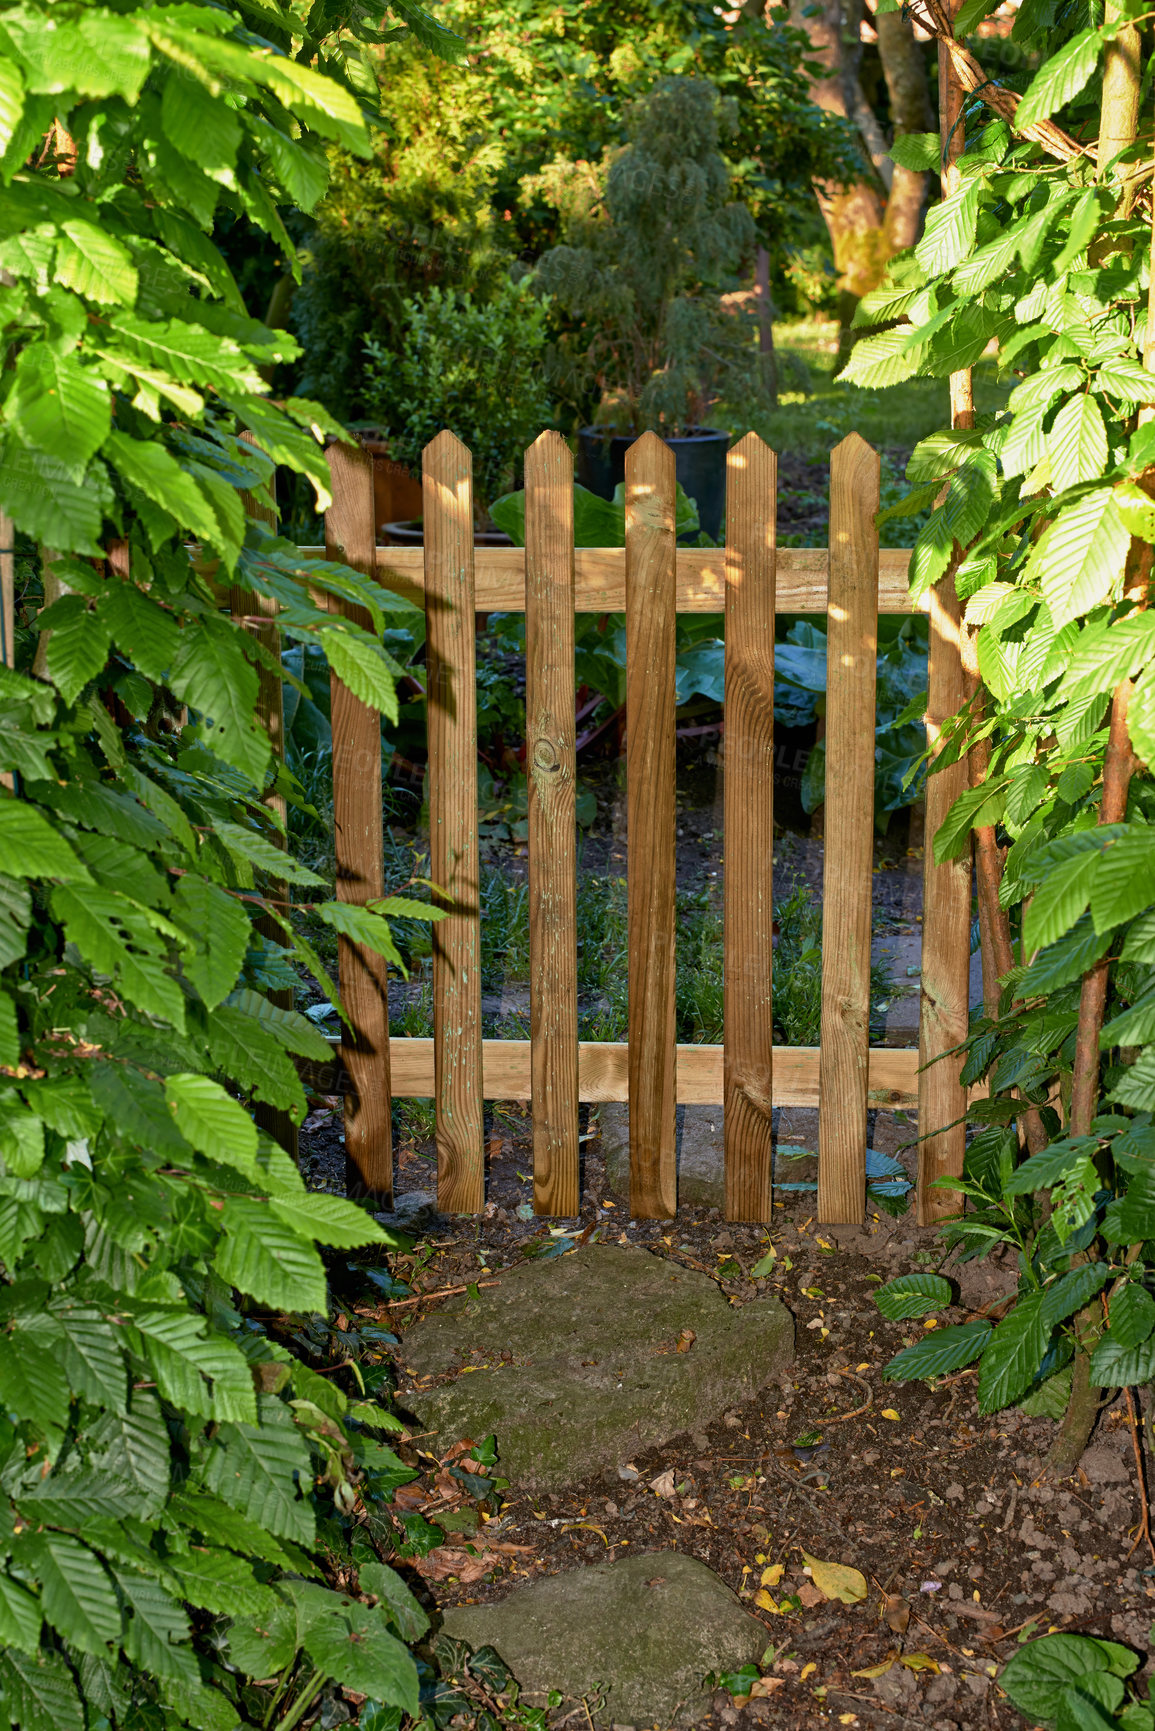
point(358, 844)
point(748, 884)
point(651, 644)
point(552, 767)
point(851, 663)
point(452, 785)
point(946, 920)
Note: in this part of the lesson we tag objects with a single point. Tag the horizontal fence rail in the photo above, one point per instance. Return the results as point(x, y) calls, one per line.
point(650, 580)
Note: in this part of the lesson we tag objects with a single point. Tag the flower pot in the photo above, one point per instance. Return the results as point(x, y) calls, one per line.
point(396, 490)
point(411, 533)
point(699, 465)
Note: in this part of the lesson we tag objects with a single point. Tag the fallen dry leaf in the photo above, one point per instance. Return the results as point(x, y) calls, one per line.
point(889, 1412)
point(414, 1496)
point(686, 1340)
point(766, 1686)
point(918, 1662)
point(896, 1611)
point(810, 1595)
point(764, 1602)
point(772, 1575)
point(466, 1566)
point(836, 1580)
point(663, 1485)
point(876, 1670)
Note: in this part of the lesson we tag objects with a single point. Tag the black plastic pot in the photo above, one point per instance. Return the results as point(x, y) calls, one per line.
point(411, 533)
point(699, 464)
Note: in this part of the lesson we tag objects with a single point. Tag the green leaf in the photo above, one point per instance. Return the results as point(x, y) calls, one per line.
point(364, 667)
point(263, 1646)
point(251, 845)
point(294, 1032)
point(1077, 443)
point(32, 1381)
point(218, 1581)
point(1132, 1315)
point(1059, 78)
point(94, 1355)
point(1124, 377)
point(1073, 1291)
point(21, 1618)
point(146, 633)
point(221, 931)
point(200, 125)
point(969, 15)
point(212, 674)
point(116, 937)
point(77, 645)
point(59, 406)
point(9, 1032)
point(1124, 879)
point(252, 1056)
point(406, 1613)
point(918, 150)
point(222, 1525)
point(356, 1648)
point(1081, 557)
point(882, 360)
point(91, 263)
point(156, 472)
point(1039, 1675)
point(15, 913)
point(39, 1693)
point(11, 102)
point(257, 1469)
point(1136, 1086)
point(912, 1295)
point(157, 1631)
point(1013, 1354)
point(361, 927)
point(949, 232)
point(1141, 715)
point(212, 1122)
point(945, 1350)
point(1059, 901)
point(262, 1256)
point(1114, 1365)
point(136, 1444)
point(329, 1220)
point(76, 1593)
point(31, 848)
point(77, 1499)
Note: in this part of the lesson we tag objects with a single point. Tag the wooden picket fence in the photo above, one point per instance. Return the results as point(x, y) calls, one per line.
point(651, 580)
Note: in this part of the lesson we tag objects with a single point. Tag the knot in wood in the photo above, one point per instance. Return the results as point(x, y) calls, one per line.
point(545, 757)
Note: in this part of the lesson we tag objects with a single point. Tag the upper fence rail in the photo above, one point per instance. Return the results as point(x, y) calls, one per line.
point(650, 580)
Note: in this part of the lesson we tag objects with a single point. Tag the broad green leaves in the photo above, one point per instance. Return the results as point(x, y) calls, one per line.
point(1080, 559)
point(1060, 78)
point(1077, 444)
point(912, 1295)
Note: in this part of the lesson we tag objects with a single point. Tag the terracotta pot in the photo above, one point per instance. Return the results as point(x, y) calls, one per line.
point(396, 489)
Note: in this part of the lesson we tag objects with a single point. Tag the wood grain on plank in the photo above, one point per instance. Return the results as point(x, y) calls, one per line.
point(651, 623)
point(452, 784)
point(358, 844)
point(603, 1073)
point(946, 923)
point(551, 763)
point(600, 580)
point(847, 880)
point(748, 880)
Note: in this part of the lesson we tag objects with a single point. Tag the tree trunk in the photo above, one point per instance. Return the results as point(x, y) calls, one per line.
point(904, 68)
point(855, 215)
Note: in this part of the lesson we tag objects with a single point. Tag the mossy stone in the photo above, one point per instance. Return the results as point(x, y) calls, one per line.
point(573, 1363)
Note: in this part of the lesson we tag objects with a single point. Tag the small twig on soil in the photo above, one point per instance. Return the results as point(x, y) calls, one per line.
point(841, 1418)
point(445, 1292)
point(1141, 1476)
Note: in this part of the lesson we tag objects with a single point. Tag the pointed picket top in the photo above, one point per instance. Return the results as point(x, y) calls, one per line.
point(650, 485)
point(445, 454)
point(548, 449)
point(853, 450)
point(746, 450)
point(751, 502)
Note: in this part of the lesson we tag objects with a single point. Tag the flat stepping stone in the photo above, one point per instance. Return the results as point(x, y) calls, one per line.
point(646, 1630)
point(573, 1362)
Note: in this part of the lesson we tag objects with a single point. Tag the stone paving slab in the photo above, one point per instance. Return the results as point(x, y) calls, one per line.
point(646, 1629)
point(572, 1362)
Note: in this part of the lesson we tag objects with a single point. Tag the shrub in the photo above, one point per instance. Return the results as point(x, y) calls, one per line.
point(474, 368)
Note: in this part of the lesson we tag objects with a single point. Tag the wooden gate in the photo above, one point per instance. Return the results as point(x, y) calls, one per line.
point(651, 580)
